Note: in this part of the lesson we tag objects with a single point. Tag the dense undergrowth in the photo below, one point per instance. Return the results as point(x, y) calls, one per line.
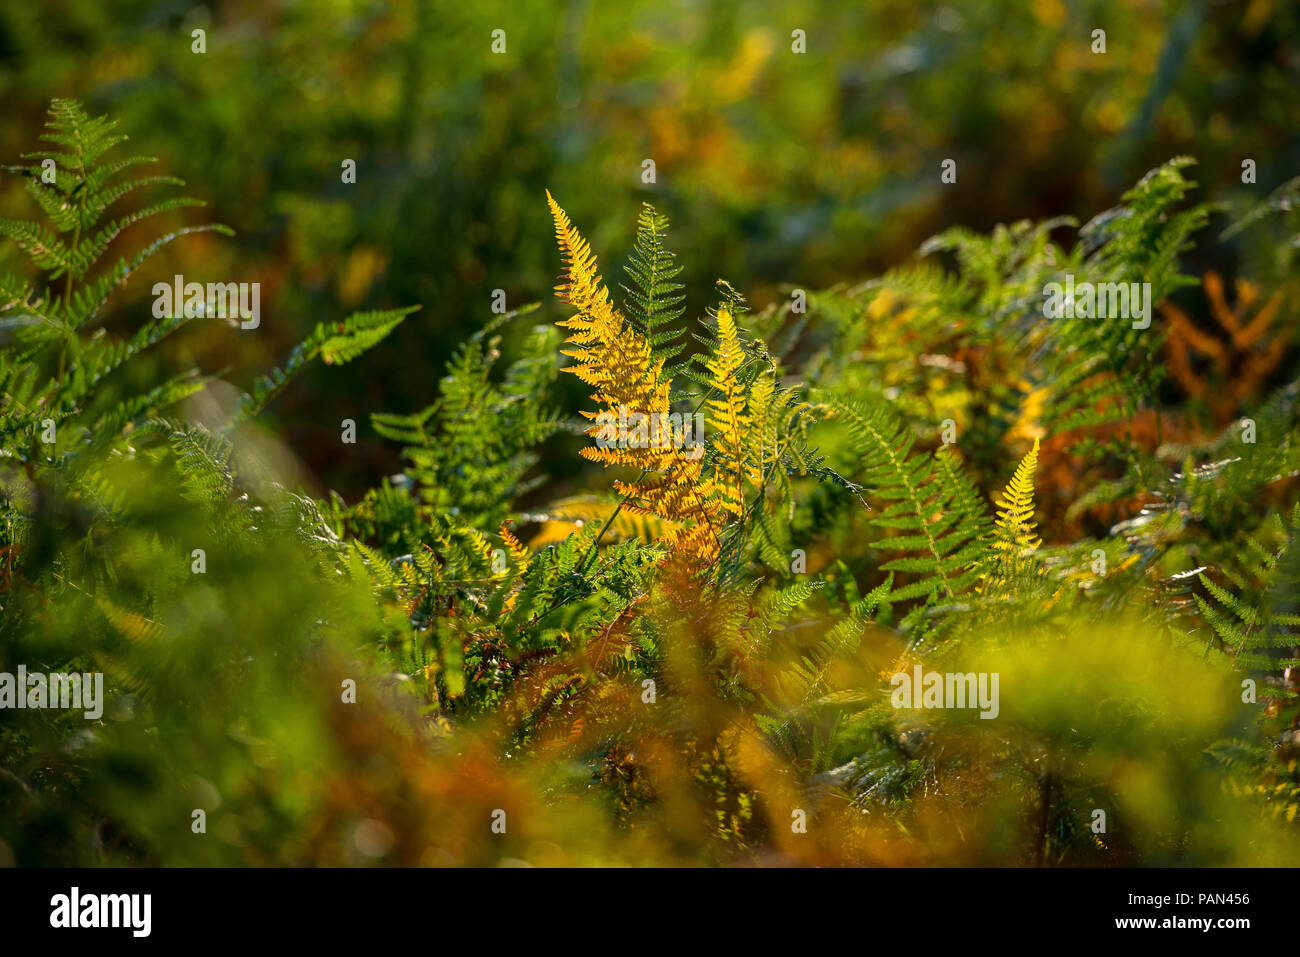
point(690, 659)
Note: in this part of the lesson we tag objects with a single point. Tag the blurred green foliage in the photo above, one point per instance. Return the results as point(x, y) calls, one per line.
point(503, 673)
point(796, 169)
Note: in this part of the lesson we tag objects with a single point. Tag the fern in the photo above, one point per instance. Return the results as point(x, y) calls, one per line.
point(1101, 366)
point(648, 652)
point(80, 193)
point(1253, 631)
point(471, 450)
point(1014, 539)
point(619, 364)
point(930, 502)
point(654, 301)
point(727, 417)
point(334, 343)
point(51, 373)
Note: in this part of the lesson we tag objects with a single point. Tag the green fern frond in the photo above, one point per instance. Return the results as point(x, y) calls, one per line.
point(334, 343)
point(654, 303)
point(924, 498)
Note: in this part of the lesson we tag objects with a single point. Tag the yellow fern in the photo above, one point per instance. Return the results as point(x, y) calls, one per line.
point(518, 553)
point(1015, 536)
point(617, 361)
point(609, 355)
point(726, 416)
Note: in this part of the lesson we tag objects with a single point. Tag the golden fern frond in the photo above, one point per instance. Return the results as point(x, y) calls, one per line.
point(1015, 534)
point(582, 287)
point(518, 553)
point(619, 363)
point(726, 415)
point(610, 355)
point(683, 495)
point(763, 423)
